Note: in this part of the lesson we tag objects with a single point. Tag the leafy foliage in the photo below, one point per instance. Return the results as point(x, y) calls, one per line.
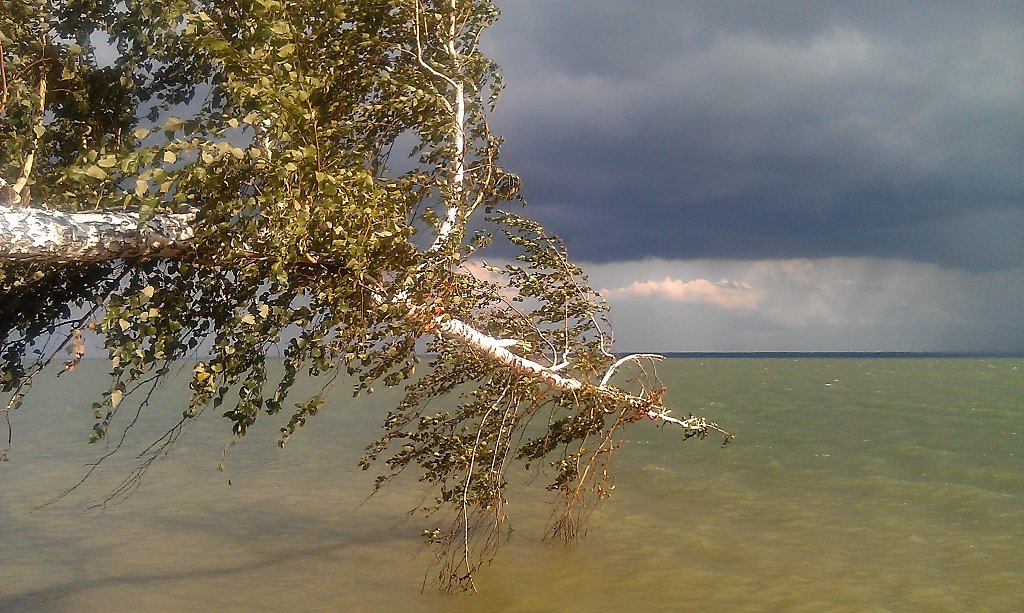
point(275, 123)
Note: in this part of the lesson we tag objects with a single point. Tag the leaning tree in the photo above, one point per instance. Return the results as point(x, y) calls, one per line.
point(204, 181)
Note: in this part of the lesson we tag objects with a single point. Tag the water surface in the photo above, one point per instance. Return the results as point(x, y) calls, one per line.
point(854, 484)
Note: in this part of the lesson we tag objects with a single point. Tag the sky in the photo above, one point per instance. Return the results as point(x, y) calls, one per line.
point(778, 176)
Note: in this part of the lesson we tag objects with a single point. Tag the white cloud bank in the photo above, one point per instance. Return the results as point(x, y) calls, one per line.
point(724, 293)
point(831, 304)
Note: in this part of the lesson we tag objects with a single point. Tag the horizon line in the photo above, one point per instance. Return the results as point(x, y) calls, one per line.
point(831, 353)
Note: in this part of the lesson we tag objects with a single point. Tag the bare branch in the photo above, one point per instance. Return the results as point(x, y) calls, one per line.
point(636, 357)
point(419, 52)
point(4, 94)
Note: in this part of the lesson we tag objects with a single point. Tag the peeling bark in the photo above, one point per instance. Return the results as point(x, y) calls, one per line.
point(37, 235)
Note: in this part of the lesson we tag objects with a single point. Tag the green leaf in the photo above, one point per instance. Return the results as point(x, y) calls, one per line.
point(173, 124)
point(96, 172)
point(217, 44)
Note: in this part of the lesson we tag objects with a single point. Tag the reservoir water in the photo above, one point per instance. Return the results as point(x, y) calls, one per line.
point(854, 484)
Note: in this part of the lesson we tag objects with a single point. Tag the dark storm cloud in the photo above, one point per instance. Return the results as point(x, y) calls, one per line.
point(769, 129)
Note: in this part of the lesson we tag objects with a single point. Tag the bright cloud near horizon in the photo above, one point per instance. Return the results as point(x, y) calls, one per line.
point(778, 176)
point(726, 294)
point(825, 304)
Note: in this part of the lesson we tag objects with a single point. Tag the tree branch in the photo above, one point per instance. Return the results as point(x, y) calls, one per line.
point(650, 406)
point(654, 357)
point(3, 81)
point(37, 235)
point(38, 129)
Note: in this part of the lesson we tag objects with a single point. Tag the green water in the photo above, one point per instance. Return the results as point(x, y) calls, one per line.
point(854, 484)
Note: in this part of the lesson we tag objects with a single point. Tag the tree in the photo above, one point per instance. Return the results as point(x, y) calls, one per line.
point(210, 180)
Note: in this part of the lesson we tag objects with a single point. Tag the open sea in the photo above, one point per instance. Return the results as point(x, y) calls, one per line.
point(855, 483)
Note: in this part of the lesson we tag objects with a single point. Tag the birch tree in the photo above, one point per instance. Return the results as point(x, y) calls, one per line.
point(200, 181)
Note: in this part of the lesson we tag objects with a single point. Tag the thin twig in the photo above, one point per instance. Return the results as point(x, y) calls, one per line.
point(38, 130)
point(3, 81)
point(636, 357)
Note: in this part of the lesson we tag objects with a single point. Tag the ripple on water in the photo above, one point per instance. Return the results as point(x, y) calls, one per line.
point(899, 486)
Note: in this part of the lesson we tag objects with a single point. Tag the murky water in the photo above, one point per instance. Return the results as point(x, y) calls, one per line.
point(855, 484)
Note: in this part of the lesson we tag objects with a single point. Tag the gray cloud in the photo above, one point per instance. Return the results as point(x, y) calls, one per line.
point(830, 304)
point(769, 130)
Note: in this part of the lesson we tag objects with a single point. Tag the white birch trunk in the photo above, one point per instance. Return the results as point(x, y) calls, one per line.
point(38, 235)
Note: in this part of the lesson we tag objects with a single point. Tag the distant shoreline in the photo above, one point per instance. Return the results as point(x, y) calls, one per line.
point(837, 354)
